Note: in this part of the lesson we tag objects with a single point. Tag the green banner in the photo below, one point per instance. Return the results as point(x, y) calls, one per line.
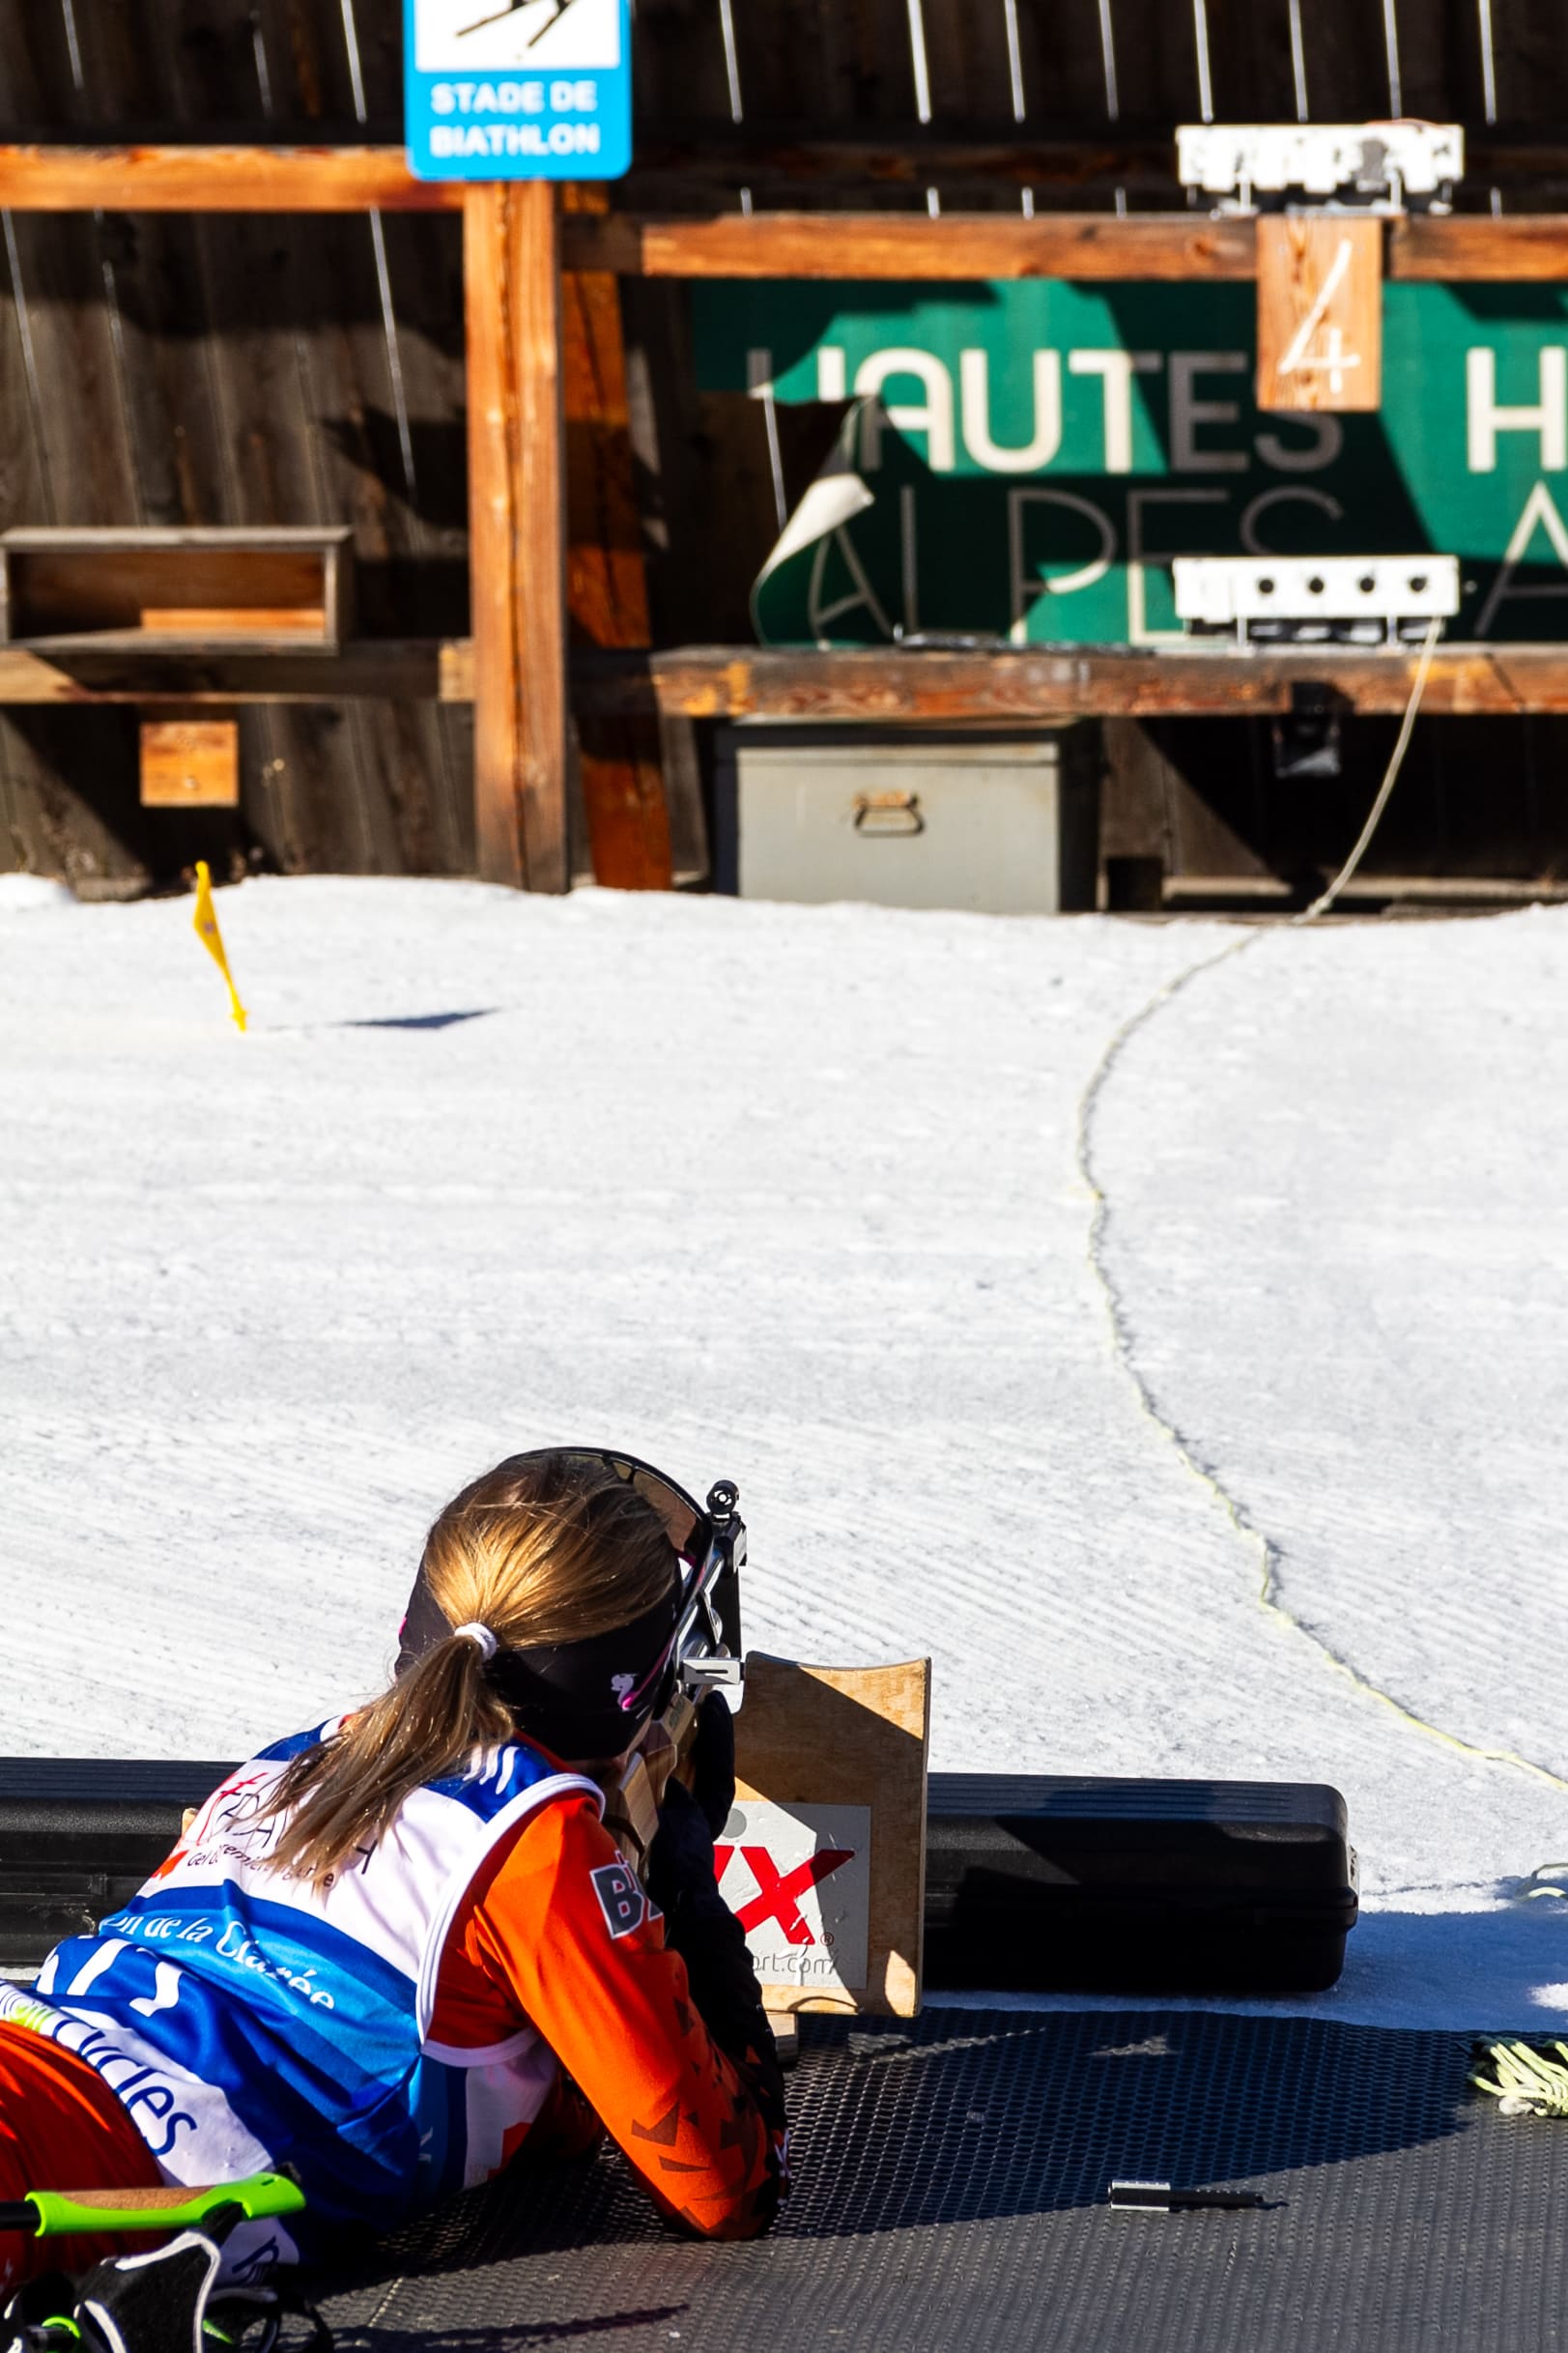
point(1021, 461)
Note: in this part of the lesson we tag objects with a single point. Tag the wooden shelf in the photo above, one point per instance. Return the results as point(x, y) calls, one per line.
point(878, 686)
point(391, 670)
point(261, 590)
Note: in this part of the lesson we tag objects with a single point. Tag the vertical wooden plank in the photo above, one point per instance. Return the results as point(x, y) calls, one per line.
point(517, 528)
point(497, 818)
point(606, 597)
point(968, 67)
point(1530, 58)
point(1319, 312)
point(678, 61)
point(1156, 68)
point(88, 449)
point(1347, 63)
point(1440, 61)
point(662, 427)
point(428, 533)
point(539, 521)
point(1249, 60)
point(1064, 64)
point(24, 490)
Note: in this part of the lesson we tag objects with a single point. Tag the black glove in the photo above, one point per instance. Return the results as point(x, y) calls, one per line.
point(699, 1925)
point(680, 1869)
point(169, 2301)
point(713, 1761)
point(152, 2303)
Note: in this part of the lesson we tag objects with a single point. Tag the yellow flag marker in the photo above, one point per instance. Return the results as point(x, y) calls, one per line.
point(212, 938)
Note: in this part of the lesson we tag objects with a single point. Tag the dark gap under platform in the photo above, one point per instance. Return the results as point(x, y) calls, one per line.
point(950, 2178)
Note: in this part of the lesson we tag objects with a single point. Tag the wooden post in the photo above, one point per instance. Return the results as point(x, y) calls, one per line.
point(516, 533)
point(607, 593)
point(1320, 311)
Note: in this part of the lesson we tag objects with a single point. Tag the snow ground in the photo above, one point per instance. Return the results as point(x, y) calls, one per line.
point(791, 1194)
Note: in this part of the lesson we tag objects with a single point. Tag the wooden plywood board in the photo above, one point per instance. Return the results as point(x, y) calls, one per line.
point(190, 763)
point(849, 1739)
point(1319, 312)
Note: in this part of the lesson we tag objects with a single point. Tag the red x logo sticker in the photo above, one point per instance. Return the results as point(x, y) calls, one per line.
point(777, 1891)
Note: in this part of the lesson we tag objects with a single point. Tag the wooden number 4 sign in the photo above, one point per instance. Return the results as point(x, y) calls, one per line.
point(1320, 311)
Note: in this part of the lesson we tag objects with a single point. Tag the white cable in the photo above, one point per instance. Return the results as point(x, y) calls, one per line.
point(1107, 59)
point(1390, 43)
point(1488, 61)
point(726, 27)
point(1267, 1551)
point(1009, 10)
point(1396, 761)
point(1200, 38)
point(1113, 102)
point(1299, 62)
point(918, 60)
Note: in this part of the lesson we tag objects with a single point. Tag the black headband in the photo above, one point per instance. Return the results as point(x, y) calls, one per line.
point(581, 1700)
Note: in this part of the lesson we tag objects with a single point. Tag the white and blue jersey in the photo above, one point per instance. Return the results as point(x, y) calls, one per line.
point(247, 2018)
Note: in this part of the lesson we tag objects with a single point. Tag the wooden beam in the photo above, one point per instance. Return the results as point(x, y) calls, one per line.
point(742, 681)
point(1005, 689)
point(516, 533)
point(672, 170)
point(218, 180)
point(1522, 247)
point(870, 245)
point(912, 245)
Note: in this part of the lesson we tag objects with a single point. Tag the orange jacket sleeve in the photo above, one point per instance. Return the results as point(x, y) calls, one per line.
point(562, 1923)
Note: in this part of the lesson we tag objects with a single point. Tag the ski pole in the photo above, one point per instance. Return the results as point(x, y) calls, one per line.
point(49, 2214)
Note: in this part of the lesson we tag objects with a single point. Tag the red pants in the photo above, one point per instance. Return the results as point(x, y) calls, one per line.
point(62, 2129)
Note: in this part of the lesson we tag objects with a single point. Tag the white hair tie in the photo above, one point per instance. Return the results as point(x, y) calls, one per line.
point(480, 1634)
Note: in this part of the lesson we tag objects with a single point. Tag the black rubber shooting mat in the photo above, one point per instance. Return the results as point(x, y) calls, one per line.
point(950, 2188)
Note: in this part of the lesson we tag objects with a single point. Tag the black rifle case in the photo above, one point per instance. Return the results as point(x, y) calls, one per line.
point(1036, 1883)
point(1032, 1883)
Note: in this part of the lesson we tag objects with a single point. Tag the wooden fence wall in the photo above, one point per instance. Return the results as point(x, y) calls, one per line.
point(251, 370)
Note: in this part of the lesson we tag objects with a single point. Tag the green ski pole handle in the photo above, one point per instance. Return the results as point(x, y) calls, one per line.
point(50, 2214)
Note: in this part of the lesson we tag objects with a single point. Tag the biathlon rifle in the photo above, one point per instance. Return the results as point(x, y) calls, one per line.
point(707, 1652)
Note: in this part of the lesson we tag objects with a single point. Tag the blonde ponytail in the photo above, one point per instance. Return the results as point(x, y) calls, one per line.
point(540, 1550)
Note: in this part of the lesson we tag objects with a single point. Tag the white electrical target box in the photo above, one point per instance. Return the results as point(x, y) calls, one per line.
point(1367, 597)
point(1379, 167)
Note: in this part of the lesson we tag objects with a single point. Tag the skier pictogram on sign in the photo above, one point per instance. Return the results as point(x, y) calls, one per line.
point(518, 89)
point(565, 36)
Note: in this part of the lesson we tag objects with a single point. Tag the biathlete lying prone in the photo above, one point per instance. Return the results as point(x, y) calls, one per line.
point(392, 1952)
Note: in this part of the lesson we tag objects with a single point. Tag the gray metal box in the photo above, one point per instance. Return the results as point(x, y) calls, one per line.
point(917, 819)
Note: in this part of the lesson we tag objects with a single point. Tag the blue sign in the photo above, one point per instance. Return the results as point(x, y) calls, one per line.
point(533, 90)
